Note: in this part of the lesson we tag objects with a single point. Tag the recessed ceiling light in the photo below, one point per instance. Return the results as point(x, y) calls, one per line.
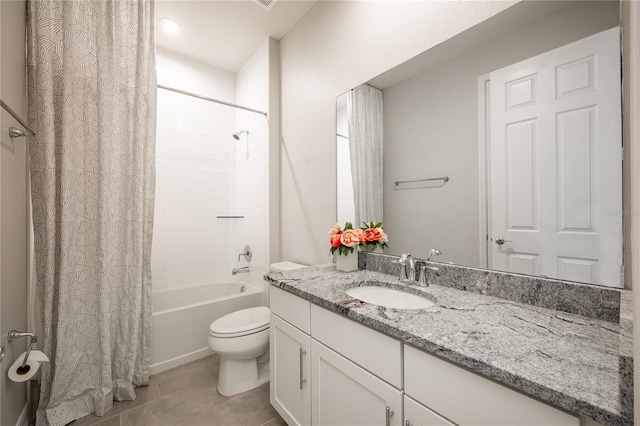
point(170, 26)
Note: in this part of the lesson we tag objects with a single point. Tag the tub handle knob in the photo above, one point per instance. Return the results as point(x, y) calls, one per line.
point(246, 253)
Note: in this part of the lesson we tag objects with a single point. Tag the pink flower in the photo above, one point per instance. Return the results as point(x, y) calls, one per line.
point(373, 235)
point(383, 236)
point(335, 240)
point(335, 230)
point(351, 237)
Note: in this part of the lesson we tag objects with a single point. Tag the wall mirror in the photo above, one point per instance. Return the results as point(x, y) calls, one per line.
point(502, 146)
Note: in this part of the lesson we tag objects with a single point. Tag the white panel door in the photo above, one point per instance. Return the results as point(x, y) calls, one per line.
point(345, 394)
point(556, 163)
point(290, 392)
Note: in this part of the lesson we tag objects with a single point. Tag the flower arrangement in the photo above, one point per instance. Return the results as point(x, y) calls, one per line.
point(345, 240)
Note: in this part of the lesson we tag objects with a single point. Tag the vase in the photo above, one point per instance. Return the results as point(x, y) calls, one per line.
point(348, 263)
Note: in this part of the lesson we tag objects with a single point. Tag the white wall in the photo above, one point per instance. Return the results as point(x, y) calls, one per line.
point(252, 162)
point(345, 199)
point(334, 47)
point(14, 202)
point(195, 169)
point(431, 129)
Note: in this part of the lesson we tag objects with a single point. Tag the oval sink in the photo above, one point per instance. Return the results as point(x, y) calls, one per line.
point(390, 298)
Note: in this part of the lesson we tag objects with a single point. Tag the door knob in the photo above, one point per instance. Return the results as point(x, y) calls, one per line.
point(500, 241)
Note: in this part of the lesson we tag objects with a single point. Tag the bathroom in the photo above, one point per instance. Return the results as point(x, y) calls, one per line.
point(294, 73)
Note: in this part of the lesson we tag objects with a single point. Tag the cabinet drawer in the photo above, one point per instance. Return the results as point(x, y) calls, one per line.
point(291, 308)
point(380, 354)
point(416, 414)
point(467, 398)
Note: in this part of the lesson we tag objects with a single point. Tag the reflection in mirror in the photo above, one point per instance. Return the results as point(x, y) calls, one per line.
point(359, 142)
point(522, 113)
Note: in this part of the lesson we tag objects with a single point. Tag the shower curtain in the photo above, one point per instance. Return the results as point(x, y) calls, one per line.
point(92, 101)
point(364, 112)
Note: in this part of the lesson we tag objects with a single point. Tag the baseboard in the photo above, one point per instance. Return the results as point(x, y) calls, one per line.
point(159, 367)
point(23, 420)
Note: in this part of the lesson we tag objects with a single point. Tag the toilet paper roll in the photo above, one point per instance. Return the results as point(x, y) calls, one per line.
point(19, 374)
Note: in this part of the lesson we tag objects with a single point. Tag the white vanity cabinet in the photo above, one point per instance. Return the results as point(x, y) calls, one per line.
point(329, 370)
point(290, 353)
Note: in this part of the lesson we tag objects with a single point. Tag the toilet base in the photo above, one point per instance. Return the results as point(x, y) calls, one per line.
point(240, 375)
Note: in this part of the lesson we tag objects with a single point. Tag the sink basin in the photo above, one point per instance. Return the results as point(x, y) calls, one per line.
point(390, 298)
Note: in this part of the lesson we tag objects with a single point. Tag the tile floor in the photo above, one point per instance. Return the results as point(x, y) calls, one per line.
point(187, 396)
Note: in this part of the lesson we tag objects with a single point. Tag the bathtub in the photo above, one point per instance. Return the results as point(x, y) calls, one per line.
point(181, 319)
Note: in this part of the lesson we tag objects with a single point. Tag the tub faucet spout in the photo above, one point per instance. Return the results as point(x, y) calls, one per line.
point(243, 270)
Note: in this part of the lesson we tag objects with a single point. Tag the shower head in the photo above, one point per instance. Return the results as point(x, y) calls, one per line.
point(236, 136)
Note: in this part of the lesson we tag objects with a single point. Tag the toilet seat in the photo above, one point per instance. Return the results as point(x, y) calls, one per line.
point(238, 334)
point(241, 323)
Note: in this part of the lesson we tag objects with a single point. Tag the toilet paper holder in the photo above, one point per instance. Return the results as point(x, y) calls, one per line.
point(15, 335)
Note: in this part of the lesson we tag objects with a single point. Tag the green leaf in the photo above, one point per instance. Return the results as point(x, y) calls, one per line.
point(348, 225)
point(378, 225)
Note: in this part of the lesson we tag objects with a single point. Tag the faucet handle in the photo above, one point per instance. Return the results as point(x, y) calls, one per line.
point(423, 279)
point(246, 253)
point(434, 251)
point(402, 261)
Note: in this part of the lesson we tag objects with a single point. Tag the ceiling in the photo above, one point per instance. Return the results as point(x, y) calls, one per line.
point(225, 33)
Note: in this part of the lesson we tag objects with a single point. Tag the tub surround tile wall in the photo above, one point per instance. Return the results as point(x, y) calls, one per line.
point(195, 170)
point(582, 299)
point(574, 362)
point(203, 172)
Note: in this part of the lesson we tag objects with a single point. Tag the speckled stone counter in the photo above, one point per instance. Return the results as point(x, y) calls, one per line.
point(581, 364)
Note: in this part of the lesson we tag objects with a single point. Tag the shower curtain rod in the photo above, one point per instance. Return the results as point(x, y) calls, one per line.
point(17, 117)
point(160, 86)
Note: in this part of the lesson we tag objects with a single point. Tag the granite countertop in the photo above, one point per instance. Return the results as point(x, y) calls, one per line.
point(581, 364)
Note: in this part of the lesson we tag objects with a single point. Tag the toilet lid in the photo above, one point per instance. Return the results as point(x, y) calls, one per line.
point(241, 322)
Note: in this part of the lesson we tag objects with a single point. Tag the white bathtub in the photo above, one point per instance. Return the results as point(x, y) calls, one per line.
point(181, 319)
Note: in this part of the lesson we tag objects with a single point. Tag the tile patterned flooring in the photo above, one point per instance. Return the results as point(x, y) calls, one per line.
point(187, 396)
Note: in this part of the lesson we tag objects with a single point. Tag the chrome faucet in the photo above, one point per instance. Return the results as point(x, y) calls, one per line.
point(424, 274)
point(243, 270)
point(406, 260)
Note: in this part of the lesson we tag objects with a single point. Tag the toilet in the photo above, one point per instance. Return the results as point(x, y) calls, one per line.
point(241, 339)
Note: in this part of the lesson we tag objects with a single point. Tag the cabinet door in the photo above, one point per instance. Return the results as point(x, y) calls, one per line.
point(345, 394)
point(290, 390)
point(416, 414)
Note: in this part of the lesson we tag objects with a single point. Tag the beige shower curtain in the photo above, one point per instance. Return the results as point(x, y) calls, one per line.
point(92, 102)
